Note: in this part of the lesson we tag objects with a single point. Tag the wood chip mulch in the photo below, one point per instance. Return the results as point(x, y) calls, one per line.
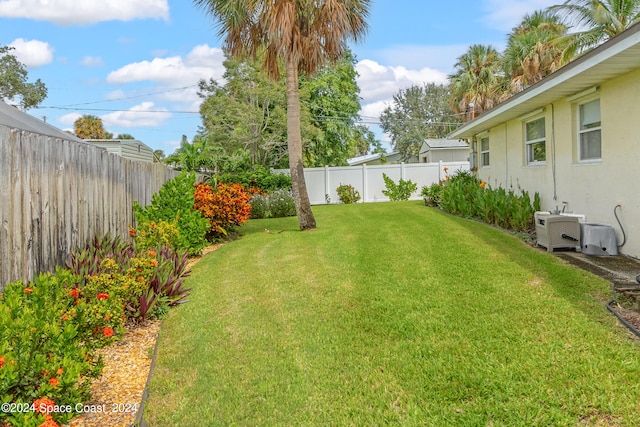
point(118, 391)
point(127, 367)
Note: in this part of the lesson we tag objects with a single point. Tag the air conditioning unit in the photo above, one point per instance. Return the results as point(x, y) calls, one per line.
point(558, 231)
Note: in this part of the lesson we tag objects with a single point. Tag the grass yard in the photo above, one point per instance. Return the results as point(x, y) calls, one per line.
point(392, 314)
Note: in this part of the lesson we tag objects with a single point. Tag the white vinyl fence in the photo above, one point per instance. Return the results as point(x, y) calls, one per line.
point(322, 182)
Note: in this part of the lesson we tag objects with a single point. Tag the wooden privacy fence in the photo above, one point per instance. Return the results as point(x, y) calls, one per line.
point(55, 195)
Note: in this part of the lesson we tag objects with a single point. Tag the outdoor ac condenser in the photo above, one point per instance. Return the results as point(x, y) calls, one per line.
point(557, 231)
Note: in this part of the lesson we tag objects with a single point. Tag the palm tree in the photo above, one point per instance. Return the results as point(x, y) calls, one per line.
point(478, 82)
point(304, 35)
point(89, 127)
point(533, 50)
point(601, 20)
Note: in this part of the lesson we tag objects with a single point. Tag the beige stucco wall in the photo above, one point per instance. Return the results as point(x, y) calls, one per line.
point(590, 188)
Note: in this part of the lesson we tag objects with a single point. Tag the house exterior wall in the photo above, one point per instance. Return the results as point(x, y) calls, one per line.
point(592, 188)
point(445, 155)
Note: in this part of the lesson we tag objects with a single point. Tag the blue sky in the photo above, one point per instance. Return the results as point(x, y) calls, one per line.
point(136, 63)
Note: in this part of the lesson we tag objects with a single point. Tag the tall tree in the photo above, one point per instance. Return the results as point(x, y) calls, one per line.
point(302, 34)
point(332, 98)
point(417, 113)
point(14, 88)
point(534, 49)
point(248, 112)
point(598, 21)
point(89, 127)
point(478, 82)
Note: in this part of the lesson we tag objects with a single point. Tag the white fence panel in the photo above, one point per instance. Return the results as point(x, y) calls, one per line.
point(323, 182)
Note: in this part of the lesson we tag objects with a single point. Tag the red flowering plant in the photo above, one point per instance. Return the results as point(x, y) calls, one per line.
point(42, 356)
point(225, 206)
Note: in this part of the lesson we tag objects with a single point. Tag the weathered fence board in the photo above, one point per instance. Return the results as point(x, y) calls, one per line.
point(55, 195)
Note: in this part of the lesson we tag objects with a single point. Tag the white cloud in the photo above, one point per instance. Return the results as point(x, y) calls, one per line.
point(503, 17)
point(92, 61)
point(379, 83)
point(32, 53)
point(142, 115)
point(202, 62)
point(72, 12)
point(69, 119)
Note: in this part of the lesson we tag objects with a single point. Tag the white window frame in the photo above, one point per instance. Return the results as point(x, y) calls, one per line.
point(485, 159)
point(581, 132)
point(528, 144)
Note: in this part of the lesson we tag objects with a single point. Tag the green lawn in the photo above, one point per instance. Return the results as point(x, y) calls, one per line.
point(391, 313)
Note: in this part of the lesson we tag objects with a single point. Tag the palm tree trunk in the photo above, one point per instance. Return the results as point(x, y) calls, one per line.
point(294, 142)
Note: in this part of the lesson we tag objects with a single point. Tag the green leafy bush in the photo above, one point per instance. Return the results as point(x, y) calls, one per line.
point(432, 194)
point(140, 280)
point(42, 353)
point(348, 194)
point(281, 204)
point(261, 178)
point(465, 195)
point(175, 202)
point(400, 191)
point(259, 206)
point(153, 235)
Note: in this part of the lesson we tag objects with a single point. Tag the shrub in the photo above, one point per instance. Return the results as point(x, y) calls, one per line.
point(259, 206)
point(400, 191)
point(139, 279)
point(347, 194)
point(281, 204)
point(432, 194)
point(261, 178)
point(153, 235)
point(175, 202)
point(464, 194)
point(42, 355)
point(226, 207)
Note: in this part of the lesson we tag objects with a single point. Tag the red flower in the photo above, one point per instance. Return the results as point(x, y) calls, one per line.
point(108, 332)
point(1, 361)
point(102, 295)
point(54, 382)
point(74, 292)
point(44, 405)
point(49, 422)
point(132, 232)
point(28, 290)
point(59, 371)
point(152, 253)
point(153, 224)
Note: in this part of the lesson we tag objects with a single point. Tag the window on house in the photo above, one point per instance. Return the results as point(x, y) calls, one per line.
point(535, 141)
point(589, 139)
point(484, 151)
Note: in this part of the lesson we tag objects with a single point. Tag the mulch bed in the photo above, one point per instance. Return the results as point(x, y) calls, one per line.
point(118, 391)
point(127, 368)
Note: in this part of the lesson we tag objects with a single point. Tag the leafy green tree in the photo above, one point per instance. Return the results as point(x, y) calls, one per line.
point(158, 156)
point(89, 127)
point(301, 34)
point(597, 21)
point(477, 83)
point(14, 88)
point(196, 156)
point(332, 98)
point(418, 113)
point(124, 136)
point(535, 49)
point(247, 113)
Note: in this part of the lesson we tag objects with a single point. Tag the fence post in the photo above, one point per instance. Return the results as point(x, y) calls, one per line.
point(401, 170)
point(364, 182)
point(327, 183)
